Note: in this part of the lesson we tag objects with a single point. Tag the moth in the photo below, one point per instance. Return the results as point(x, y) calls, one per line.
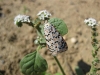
point(54, 40)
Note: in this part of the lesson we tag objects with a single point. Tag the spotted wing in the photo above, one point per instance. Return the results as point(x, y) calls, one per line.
point(54, 40)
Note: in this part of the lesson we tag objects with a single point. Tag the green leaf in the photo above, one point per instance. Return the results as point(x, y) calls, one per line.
point(60, 25)
point(40, 63)
point(34, 64)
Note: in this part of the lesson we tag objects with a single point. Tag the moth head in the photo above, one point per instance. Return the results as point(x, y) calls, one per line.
point(47, 26)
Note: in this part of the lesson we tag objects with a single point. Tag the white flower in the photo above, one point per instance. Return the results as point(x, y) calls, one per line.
point(21, 18)
point(43, 14)
point(90, 22)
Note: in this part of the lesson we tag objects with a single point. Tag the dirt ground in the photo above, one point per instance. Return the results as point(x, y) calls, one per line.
point(16, 42)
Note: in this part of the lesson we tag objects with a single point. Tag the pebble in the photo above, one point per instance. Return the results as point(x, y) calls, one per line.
point(73, 40)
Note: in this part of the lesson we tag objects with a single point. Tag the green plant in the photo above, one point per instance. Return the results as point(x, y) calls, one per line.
point(93, 25)
point(50, 32)
point(33, 63)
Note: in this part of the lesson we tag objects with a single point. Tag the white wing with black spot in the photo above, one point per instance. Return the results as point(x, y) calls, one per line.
point(54, 40)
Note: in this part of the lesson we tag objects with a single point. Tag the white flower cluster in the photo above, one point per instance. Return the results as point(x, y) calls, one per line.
point(90, 22)
point(43, 14)
point(21, 18)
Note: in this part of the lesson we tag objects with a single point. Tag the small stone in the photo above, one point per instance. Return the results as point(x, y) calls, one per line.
point(74, 40)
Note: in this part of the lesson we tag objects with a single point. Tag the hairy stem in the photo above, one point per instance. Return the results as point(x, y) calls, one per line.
point(93, 70)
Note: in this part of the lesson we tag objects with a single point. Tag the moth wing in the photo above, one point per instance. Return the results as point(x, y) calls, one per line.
point(61, 45)
point(54, 40)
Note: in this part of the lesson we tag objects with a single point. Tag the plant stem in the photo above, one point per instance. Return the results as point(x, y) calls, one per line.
point(59, 65)
point(94, 69)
